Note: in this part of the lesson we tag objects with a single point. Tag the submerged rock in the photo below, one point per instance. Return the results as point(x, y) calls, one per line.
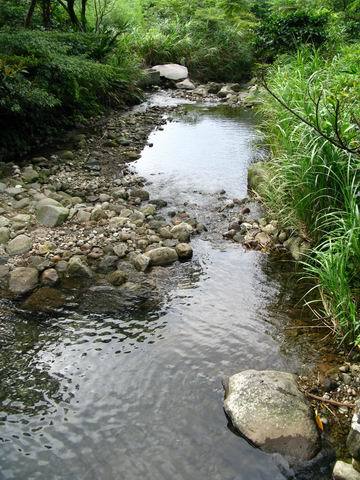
point(268, 409)
point(45, 299)
point(106, 298)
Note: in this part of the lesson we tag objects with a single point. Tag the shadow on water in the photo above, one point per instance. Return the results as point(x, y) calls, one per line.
point(107, 389)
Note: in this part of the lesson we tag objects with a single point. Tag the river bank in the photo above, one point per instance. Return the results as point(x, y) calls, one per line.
point(208, 211)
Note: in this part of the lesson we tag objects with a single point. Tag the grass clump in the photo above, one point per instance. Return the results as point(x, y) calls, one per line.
point(315, 171)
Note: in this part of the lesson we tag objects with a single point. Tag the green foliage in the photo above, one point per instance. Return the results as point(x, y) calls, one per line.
point(13, 13)
point(200, 35)
point(316, 182)
point(347, 18)
point(285, 30)
point(44, 75)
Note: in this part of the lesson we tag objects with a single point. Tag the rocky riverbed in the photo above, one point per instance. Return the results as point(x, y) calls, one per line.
point(79, 216)
point(80, 213)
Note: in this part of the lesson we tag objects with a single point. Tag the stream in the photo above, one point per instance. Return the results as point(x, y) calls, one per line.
point(112, 392)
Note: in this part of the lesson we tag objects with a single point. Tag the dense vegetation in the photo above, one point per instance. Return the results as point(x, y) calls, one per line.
point(312, 113)
point(62, 61)
point(315, 172)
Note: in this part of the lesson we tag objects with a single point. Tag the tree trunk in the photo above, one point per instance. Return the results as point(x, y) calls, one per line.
point(72, 15)
point(46, 13)
point(68, 5)
point(83, 15)
point(30, 13)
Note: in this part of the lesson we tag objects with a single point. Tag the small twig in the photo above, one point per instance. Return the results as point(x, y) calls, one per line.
point(337, 141)
point(331, 402)
point(332, 413)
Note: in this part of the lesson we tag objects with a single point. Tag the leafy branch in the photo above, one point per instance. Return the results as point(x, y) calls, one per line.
point(337, 138)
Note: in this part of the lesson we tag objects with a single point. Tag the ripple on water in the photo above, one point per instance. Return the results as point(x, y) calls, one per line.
point(107, 389)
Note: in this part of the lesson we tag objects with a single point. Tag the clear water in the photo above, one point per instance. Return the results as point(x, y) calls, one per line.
point(107, 390)
point(208, 149)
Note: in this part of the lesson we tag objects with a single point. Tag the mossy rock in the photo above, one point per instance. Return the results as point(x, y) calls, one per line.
point(257, 175)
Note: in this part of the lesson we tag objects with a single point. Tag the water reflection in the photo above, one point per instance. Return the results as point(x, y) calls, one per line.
point(205, 149)
point(127, 384)
point(27, 388)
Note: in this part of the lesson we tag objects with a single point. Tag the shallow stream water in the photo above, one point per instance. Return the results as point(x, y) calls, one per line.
point(106, 392)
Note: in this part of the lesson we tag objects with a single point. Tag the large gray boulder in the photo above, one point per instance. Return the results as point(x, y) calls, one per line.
point(268, 409)
point(172, 71)
point(345, 471)
point(19, 245)
point(23, 280)
point(162, 256)
point(50, 214)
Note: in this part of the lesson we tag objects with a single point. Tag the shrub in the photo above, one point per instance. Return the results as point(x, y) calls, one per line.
point(284, 31)
point(47, 76)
